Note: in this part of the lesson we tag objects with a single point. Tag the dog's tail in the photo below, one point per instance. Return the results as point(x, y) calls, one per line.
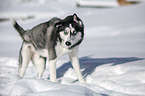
point(20, 30)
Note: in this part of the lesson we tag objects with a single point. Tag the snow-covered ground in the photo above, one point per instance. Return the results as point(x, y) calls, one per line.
point(112, 56)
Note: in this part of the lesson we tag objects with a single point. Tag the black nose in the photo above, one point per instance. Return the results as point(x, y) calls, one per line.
point(67, 43)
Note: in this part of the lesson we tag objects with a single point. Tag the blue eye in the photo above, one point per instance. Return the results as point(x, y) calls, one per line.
point(65, 32)
point(74, 32)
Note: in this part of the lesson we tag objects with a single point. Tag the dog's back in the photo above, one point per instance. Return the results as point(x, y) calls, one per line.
point(40, 35)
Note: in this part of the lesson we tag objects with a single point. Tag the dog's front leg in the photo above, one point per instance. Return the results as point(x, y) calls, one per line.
point(75, 63)
point(52, 70)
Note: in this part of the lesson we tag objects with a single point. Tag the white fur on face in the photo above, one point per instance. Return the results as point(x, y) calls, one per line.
point(66, 35)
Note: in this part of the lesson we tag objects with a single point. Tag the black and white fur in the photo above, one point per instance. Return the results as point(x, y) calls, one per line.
point(51, 40)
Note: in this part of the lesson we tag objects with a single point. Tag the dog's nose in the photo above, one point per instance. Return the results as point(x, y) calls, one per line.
point(67, 43)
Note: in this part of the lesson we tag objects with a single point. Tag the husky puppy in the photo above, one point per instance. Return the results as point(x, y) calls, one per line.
point(51, 40)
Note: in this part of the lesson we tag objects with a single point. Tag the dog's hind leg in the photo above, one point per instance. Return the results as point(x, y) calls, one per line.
point(40, 63)
point(24, 58)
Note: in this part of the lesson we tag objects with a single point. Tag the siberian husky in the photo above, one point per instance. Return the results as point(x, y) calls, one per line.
point(51, 40)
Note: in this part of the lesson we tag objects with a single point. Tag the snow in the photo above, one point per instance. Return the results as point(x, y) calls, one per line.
point(112, 55)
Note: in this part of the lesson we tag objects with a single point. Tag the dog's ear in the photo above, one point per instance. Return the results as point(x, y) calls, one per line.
point(58, 24)
point(77, 19)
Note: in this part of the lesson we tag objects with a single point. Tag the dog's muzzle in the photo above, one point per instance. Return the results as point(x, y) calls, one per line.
point(67, 43)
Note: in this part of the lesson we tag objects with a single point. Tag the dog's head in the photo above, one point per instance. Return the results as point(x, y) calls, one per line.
point(70, 31)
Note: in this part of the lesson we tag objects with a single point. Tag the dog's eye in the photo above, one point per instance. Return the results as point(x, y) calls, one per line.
point(74, 33)
point(65, 32)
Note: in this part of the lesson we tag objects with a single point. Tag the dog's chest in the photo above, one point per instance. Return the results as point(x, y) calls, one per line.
point(43, 52)
point(60, 50)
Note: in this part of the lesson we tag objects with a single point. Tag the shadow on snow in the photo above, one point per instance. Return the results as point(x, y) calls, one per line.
point(89, 64)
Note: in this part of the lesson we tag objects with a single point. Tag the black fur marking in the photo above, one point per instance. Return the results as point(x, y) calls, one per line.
point(20, 56)
point(44, 59)
point(70, 20)
point(76, 44)
point(19, 29)
point(59, 38)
